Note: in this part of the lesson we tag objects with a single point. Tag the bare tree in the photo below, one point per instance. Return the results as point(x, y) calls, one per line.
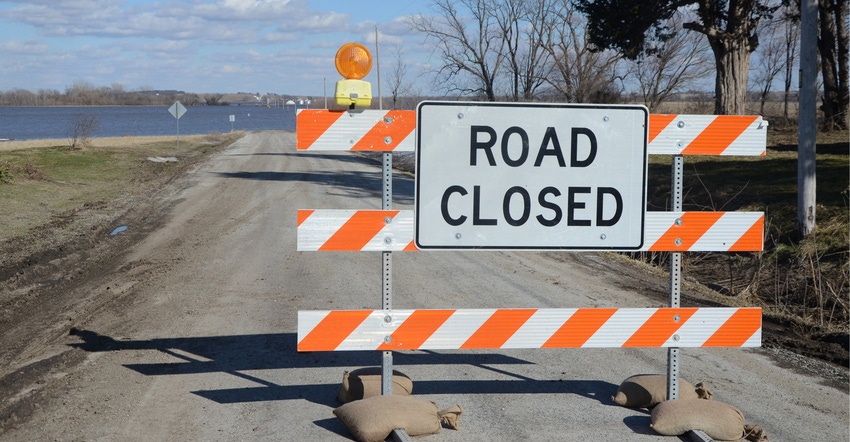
point(834, 48)
point(770, 54)
point(527, 26)
point(579, 73)
point(213, 99)
point(469, 45)
point(82, 92)
point(80, 130)
point(398, 75)
point(627, 26)
point(673, 67)
point(792, 40)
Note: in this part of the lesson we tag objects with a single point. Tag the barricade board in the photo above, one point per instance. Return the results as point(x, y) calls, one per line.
point(330, 230)
point(528, 328)
point(394, 131)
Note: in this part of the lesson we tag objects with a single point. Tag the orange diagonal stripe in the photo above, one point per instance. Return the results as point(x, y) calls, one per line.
point(659, 327)
point(416, 329)
point(358, 230)
point(303, 215)
point(719, 135)
point(498, 328)
point(752, 240)
point(579, 328)
point(737, 329)
point(693, 227)
point(387, 136)
point(310, 124)
point(411, 247)
point(332, 330)
point(658, 122)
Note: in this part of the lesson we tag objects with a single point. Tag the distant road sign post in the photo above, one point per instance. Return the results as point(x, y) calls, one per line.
point(177, 110)
point(530, 176)
point(232, 119)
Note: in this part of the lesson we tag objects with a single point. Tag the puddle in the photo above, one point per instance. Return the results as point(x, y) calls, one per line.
point(118, 230)
point(162, 159)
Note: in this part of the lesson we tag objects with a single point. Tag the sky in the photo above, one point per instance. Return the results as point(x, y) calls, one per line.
point(199, 46)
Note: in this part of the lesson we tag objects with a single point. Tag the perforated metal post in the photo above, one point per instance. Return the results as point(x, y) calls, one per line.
point(387, 278)
point(675, 278)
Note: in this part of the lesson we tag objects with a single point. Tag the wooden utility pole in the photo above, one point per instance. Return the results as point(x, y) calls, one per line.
point(806, 182)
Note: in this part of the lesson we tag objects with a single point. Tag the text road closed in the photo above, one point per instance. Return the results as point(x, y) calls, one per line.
point(530, 176)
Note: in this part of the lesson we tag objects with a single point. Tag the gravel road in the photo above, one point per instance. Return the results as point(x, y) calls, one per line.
point(189, 332)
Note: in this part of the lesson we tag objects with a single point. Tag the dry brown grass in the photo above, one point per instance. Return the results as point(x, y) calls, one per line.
point(112, 142)
point(50, 193)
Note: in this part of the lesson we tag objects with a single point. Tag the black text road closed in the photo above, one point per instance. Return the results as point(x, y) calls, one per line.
point(530, 176)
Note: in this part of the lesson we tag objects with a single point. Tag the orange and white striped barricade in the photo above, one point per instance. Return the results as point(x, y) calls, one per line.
point(330, 230)
point(528, 328)
point(395, 230)
point(675, 134)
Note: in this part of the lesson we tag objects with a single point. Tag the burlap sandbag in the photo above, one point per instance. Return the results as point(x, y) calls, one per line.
point(647, 390)
point(366, 382)
point(373, 419)
point(718, 420)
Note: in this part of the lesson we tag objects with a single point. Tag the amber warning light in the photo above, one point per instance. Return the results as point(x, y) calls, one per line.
point(353, 61)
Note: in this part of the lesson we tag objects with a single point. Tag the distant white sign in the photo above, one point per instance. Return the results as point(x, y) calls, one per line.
point(530, 176)
point(177, 110)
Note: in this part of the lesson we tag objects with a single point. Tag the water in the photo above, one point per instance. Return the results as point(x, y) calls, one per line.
point(31, 123)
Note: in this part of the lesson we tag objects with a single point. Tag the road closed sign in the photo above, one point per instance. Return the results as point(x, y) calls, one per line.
point(530, 176)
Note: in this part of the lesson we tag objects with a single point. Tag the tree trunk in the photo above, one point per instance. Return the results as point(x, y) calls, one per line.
point(832, 46)
point(732, 59)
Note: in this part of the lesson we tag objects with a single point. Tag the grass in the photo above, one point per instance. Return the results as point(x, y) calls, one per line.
point(45, 186)
point(806, 281)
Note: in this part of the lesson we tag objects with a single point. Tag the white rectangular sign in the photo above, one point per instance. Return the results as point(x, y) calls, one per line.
point(530, 176)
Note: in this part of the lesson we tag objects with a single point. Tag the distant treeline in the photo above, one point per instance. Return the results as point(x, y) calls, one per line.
point(105, 96)
point(82, 93)
point(88, 95)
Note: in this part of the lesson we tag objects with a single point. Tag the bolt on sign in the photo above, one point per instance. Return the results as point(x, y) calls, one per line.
point(530, 176)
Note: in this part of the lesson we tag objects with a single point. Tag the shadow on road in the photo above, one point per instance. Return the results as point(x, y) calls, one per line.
point(364, 184)
point(237, 355)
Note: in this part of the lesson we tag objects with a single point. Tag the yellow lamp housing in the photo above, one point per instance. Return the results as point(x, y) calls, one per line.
point(353, 93)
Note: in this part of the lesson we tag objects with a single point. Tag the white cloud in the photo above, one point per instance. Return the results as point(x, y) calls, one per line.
point(230, 69)
point(186, 44)
point(29, 47)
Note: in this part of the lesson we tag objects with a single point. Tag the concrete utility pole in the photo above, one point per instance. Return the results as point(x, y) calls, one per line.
point(807, 119)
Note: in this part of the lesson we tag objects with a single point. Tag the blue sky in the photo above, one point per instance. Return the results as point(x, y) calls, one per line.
point(200, 46)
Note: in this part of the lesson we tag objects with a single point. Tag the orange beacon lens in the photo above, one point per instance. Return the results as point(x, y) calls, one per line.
point(353, 61)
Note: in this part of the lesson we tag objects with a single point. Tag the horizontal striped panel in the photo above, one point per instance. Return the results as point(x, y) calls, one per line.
point(353, 330)
point(355, 230)
point(368, 130)
point(676, 134)
point(393, 230)
point(707, 135)
point(704, 232)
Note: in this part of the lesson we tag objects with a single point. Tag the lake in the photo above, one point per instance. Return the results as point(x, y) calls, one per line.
point(32, 123)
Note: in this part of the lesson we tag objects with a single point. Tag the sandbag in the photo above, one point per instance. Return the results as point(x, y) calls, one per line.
point(718, 420)
point(373, 419)
point(647, 390)
point(366, 382)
